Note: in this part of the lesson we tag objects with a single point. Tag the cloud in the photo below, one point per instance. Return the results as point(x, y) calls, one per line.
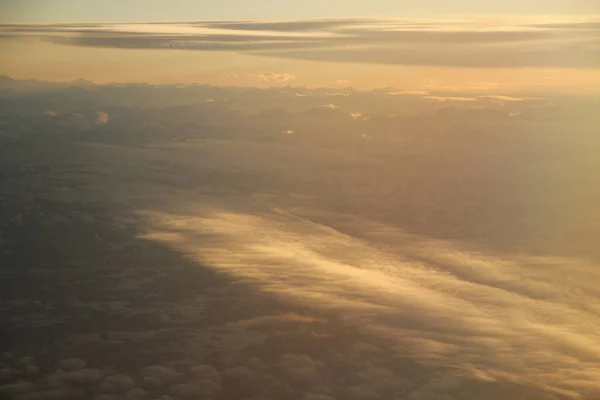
point(82, 377)
point(440, 304)
point(593, 25)
point(206, 372)
point(137, 394)
point(240, 374)
point(300, 368)
point(71, 364)
point(360, 392)
point(288, 132)
point(160, 375)
point(102, 118)
point(18, 388)
point(276, 77)
point(291, 26)
point(198, 389)
point(440, 387)
point(502, 98)
point(278, 321)
point(450, 98)
point(116, 384)
point(514, 43)
point(482, 56)
point(318, 396)
point(409, 93)
point(273, 77)
point(330, 107)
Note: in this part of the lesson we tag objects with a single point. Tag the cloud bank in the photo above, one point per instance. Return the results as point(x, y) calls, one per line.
point(513, 319)
point(482, 42)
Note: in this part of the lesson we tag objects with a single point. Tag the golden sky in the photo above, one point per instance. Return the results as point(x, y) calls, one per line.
point(511, 53)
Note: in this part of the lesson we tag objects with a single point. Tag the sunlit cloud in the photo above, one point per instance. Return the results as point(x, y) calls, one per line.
point(512, 319)
point(409, 92)
point(338, 94)
point(502, 98)
point(270, 76)
point(450, 98)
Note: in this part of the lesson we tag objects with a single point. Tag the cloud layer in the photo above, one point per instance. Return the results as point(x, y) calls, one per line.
point(516, 320)
point(458, 43)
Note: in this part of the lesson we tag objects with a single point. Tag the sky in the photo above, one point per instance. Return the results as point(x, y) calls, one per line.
point(150, 10)
point(435, 239)
point(413, 45)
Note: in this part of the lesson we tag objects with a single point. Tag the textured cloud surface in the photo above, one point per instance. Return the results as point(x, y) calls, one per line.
point(532, 42)
point(513, 319)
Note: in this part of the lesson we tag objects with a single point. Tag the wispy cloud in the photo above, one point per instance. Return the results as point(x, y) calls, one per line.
point(502, 98)
point(450, 98)
point(409, 93)
point(492, 318)
point(480, 42)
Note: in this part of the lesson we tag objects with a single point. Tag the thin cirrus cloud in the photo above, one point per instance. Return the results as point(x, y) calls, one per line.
point(480, 43)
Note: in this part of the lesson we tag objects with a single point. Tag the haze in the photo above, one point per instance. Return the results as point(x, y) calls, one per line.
point(307, 201)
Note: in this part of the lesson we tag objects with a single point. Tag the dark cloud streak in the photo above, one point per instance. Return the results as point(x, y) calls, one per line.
point(478, 43)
